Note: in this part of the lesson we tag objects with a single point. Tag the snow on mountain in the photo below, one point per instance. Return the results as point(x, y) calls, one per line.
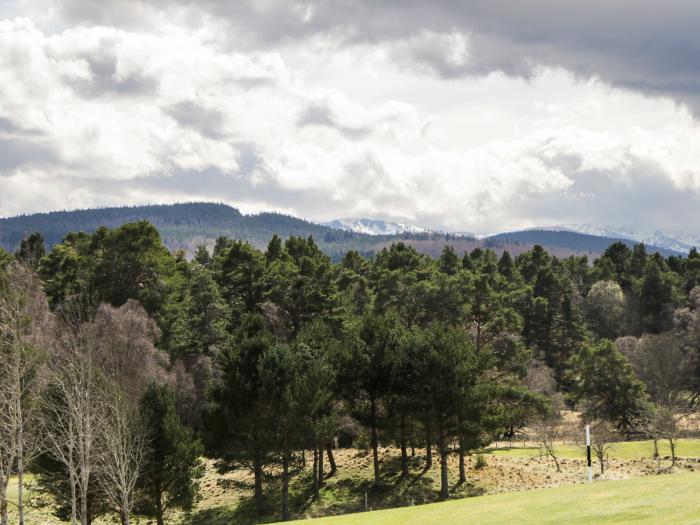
point(373, 226)
point(678, 241)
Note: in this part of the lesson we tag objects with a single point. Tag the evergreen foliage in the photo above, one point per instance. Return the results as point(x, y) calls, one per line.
point(283, 350)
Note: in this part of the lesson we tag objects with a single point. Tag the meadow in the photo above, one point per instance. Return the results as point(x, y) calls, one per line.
point(513, 477)
point(649, 500)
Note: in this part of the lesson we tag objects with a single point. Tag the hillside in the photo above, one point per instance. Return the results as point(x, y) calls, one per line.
point(184, 226)
point(570, 240)
point(188, 225)
point(680, 241)
point(649, 500)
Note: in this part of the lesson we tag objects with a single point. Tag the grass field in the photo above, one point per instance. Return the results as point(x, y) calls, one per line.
point(518, 471)
point(668, 499)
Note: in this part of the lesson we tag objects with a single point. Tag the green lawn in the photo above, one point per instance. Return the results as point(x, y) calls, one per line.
point(687, 448)
point(672, 499)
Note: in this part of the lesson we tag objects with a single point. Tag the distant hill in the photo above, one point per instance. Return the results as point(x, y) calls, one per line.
point(189, 225)
point(679, 241)
point(570, 240)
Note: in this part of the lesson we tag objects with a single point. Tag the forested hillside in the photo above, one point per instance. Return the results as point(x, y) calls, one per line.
point(187, 226)
point(182, 226)
point(123, 362)
point(190, 225)
point(569, 240)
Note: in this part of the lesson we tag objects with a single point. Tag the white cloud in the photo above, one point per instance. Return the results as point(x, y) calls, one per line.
point(137, 112)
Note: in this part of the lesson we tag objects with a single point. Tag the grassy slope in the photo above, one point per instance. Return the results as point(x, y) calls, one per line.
point(652, 500)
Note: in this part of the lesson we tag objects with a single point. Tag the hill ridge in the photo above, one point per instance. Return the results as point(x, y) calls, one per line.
point(188, 225)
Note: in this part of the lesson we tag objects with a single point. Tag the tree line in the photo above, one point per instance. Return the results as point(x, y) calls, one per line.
point(123, 364)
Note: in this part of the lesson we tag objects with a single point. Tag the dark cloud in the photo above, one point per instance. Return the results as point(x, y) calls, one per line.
point(321, 114)
point(374, 160)
point(209, 122)
point(16, 152)
point(636, 44)
point(104, 78)
point(7, 125)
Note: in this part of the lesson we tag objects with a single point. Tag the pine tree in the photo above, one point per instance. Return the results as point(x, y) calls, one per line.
point(172, 466)
point(603, 377)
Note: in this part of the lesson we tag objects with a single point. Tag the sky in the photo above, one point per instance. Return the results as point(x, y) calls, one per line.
point(476, 116)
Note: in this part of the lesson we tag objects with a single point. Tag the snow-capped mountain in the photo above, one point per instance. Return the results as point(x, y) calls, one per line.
point(678, 241)
point(373, 226)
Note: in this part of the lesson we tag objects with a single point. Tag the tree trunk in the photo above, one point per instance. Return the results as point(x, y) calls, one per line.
point(285, 485)
point(315, 473)
point(3, 510)
point(404, 453)
point(428, 452)
point(462, 470)
point(73, 497)
point(3, 499)
point(375, 454)
point(556, 461)
point(404, 458)
point(20, 491)
point(478, 337)
point(20, 465)
point(672, 445)
point(331, 460)
point(657, 457)
point(320, 466)
point(159, 505)
point(257, 467)
point(413, 451)
point(84, 507)
point(444, 487)
point(375, 444)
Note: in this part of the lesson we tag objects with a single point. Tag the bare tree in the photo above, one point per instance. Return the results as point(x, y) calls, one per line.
point(61, 434)
point(75, 412)
point(25, 322)
point(664, 365)
point(664, 425)
point(603, 441)
point(123, 346)
point(540, 378)
point(123, 443)
point(7, 443)
point(548, 430)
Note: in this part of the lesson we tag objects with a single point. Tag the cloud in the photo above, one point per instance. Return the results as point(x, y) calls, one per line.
point(633, 44)
point(120, 105)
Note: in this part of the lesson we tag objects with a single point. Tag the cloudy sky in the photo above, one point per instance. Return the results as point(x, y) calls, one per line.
point(477, 116)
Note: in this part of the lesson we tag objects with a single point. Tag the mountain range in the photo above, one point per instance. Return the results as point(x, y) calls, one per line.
point(665, 242)
point(373, 226)
point(676, 240)
point(186, 226)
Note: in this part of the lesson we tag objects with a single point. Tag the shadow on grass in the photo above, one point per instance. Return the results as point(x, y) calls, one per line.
point(341, 494)
point(491, 450)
